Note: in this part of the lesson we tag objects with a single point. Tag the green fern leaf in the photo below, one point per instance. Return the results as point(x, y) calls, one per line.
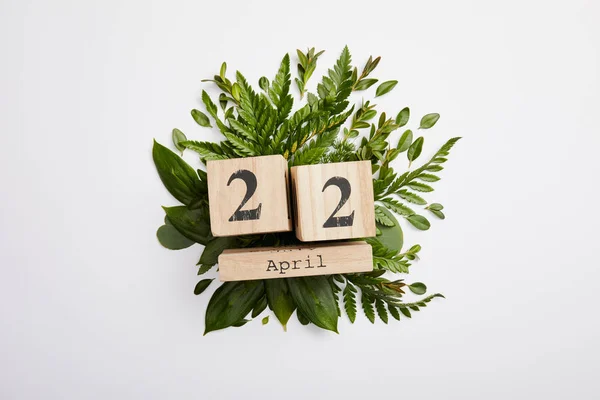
point(367, 305)
point(207, 150)
point(350, 301)
point(381, 311)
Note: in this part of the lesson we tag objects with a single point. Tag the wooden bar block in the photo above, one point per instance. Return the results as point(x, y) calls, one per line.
point(294, 261)
point(248, 195)
point(333, 201)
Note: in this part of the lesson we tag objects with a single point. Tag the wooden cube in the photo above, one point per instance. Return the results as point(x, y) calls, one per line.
point(294, 261)
point(333, 201)
point(248, 195)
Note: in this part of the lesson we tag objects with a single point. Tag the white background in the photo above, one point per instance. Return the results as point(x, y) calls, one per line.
point(92, 307)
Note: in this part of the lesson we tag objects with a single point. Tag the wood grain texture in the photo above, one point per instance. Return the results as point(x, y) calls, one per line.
point(294, 261)
point(266, 210)
point(317, 191)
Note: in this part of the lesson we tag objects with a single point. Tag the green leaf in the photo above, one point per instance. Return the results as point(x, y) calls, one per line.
point(385, 87)
point(178, 137)
point(259, 307)
point(367, 305)
point(193, 224)
point(303, 320)
point(435, 206)
point(215, 247)
point(428, 177)
point(402, 117)
point(414, 151)
point(230, 303)
point(265, 320)
point(405, 141)
point(204, 268)
point(419, 222)
point(381, 217)
point(364, 84)
point(405, 311)
point(207, 150)
point(178, 177)
point(429, 120)
point(280, 300)
point(350, 301)
point(201, 118)
point(263, 83)
point(170, 238)
point(411, 197)
point(391, 236)
point(394, 311)
point(438, 214)
point(420, 187)
point(381, 310)
point(202, 285)
point(315, 299)
point(418, 288)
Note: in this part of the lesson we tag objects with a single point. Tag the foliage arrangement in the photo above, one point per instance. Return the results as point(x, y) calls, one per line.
point(326, 128)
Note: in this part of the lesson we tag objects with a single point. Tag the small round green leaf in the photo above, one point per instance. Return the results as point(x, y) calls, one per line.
point(391, 236)
point(429, 120)
point(201, 118)
point(202, 285)
point(263, 82)
point(418, 288)
point(385, 87)
point(170, 238)
point(178, 137)
point(414, 151)
point(402, 117)
point(265, 320)
point(419, 222)
point(435, 206)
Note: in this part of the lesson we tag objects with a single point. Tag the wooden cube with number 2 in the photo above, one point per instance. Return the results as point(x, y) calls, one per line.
point(333, 201)
point(248, 195)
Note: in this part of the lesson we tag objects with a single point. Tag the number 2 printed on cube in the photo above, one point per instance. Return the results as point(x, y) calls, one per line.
point(248, 195)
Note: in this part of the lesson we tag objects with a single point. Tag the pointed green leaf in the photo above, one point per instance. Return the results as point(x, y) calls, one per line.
point(385, 87)
point(414, 151)
point(405, 141)
point(259, 307)
point(364, 84)
point(280, 300)
point(419, 222)
point(230, 303)
point(178, 177)
point(403, 117)
point(429, 120)
point(201, 118)
point(215, 247)
point(265, 320)
point(315, 299)
point(202, 285)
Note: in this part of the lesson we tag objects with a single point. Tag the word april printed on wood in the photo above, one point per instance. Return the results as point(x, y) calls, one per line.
point(295, 261)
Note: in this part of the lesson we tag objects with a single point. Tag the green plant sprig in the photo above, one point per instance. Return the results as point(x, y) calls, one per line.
point(325, 128)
